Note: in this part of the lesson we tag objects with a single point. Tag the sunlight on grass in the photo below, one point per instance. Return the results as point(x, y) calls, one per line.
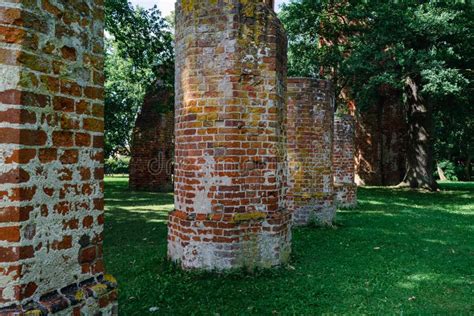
point(152, 208)
point(398, 252)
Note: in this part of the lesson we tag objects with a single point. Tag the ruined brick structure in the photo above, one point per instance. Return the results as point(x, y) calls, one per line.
point(151, 166)
point(230, 172)
point(381, 136)
point(51, 172)
point(343, 161)
point(310, 145)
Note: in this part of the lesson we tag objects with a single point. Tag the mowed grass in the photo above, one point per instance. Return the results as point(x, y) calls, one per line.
point(398, 252)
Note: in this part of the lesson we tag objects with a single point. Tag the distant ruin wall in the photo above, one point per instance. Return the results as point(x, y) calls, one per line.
point(310, 145)
point(343, 161)
point(152, 151)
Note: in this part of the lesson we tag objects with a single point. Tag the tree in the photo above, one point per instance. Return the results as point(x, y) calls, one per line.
point(411, 47)
point(319, 33)
point(123, 100)
point(139, 53)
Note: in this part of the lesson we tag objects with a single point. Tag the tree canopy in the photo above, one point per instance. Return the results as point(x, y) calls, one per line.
point(139, 52)
point(421, 49)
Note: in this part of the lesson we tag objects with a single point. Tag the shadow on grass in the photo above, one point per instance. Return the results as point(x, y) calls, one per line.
point(399, 251)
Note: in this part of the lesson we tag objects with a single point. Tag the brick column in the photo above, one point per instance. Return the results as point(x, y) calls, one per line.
point(344, 161)
point(151, 166)
point(230, 173)
point(51, 173)
point(310, 144)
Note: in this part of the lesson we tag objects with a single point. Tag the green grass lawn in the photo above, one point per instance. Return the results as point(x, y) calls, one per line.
point(399, 252)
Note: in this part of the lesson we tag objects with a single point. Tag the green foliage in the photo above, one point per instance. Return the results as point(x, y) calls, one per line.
point(142, 36)
point(372, 44)
point(302, 28)
point(449, 169)
point(139, 54)
point(119, 165)
point(309, 22)
point(406, 40)
point(398, 252)
point(455, 132)
point(123, 100)
point(371, 49)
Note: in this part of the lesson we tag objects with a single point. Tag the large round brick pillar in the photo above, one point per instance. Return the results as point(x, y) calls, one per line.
point(230, 173)
point(51, 159)
point(310, 145)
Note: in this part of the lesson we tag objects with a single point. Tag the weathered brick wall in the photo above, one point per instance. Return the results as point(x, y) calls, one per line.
point(230, 172)
point(151, 166)
point(343, 161)
point(51, 173)
point(310, 144)
point(381, 136)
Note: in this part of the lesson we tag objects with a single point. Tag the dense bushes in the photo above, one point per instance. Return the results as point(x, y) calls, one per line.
point(452, 171)
point(117, 165)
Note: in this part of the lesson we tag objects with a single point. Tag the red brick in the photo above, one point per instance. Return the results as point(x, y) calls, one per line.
point(69, 53)
point(87, 221)
point(12, 254)
point(83, 139)
point(68, 123)
point(48, 155)
point(99, 204)
point(10, 234)
point(14, 16)
point(17, 175)
point(62, 208)
point(87, 255)
point(98, 142)
point(70, 156)
point(29, 290)
point(22, 194)
point(85, 174)
point(16, 116)
point(65, 243)
point(34, 62)
point(71, 224)
point(70, 88)
point(22, 136)
point(15, 213)
point(63, 104)
point(98, 110)
point(93, 125)
point(21, 156)
point(82, 107)
point(63, 139)
point(94, 93)
point(34, 99)
point(99, 173)
point(51, 83)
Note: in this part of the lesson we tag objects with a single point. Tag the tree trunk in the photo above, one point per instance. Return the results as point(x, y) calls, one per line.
point(380, 149)
point(441, 174)
point(420, 163)
point(469, 168)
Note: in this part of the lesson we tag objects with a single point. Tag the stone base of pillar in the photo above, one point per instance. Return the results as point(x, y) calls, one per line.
point(96, 296)
point(320, 211)
point(220, 242)
point(346, 194)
